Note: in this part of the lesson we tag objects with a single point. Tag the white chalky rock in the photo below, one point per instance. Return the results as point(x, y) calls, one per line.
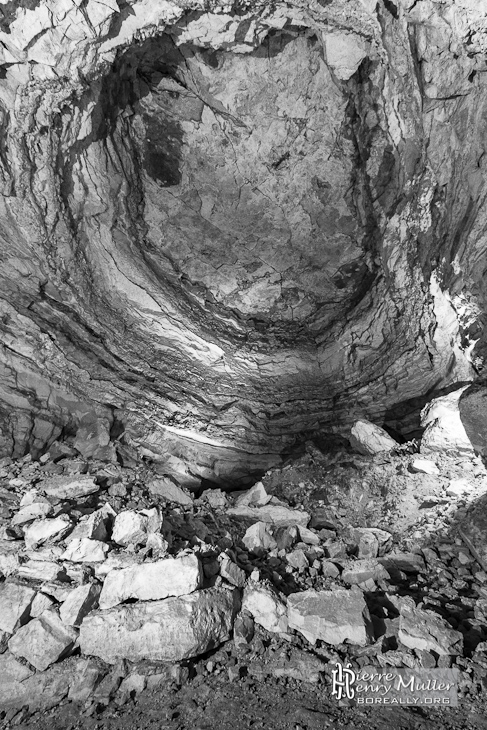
point(41, 531)
point(169, 630)
point(32, 512)
point(369, 439)
point(275, 514)
point(41, 570)
point(31, 497)
point(332, 616)
point(15, 603)
point(258, 537)
point(459, 487)
point(79, 603)
point(94, 526)
point(444, 429)
point(43, 640)
point(68, 487)
point(256, 496)
point(130, 528)
point(164, 487)
point(152, 581)
point(85, 551)
point(9, 557)
point(266, 608)
point(231, 572)
point(424, 466)
point(40, 604)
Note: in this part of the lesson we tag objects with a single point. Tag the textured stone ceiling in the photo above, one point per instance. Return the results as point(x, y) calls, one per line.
point(226, 228)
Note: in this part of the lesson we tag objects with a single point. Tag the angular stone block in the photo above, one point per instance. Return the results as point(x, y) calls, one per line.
point(169, 630)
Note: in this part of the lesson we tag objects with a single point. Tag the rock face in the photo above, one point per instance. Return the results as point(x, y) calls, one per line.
point(444, 429)
point(224, 229)
point(168, 630)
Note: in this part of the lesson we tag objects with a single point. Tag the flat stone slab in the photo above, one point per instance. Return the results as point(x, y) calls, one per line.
point(275, 514)
point(425, 630)
point(332, 616)
point(152, 581)
point(40, 531)
point(424, 466)
point(43, 640)
point(169, 630)
point(166, 489)
point(41, 570)
point(32, 512)
point(294, 663)
point(66, 487)
point(84, 550)
point(15, 602)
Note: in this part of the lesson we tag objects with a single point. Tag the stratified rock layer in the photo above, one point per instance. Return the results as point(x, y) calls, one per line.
point(224, 230)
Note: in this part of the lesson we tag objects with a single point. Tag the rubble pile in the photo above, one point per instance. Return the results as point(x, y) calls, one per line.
point(115, 579)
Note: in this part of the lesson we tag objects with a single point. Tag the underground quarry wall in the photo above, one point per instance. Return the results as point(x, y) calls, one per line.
point(226, 228)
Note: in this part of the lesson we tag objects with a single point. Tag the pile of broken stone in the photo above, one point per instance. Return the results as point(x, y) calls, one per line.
point(115, 580)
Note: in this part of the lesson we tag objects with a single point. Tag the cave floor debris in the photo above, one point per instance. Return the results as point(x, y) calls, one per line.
point(387, 528)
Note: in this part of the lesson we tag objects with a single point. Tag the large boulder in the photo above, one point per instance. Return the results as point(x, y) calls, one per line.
point(66, 487)
point(369, 439)
point(169, 630)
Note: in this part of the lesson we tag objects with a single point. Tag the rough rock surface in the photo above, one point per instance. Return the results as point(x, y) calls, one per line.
point(15, 603)
point(152, 581)
point(266, 608)
point(425, 593)
point(332, 616)
point(226, 229)
point(424, 630)
point(444, 429)
point(43, 640)
point(369, 439)
point(168, 630)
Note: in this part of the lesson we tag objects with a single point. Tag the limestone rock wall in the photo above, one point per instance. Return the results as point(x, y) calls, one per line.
point(225, 227)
